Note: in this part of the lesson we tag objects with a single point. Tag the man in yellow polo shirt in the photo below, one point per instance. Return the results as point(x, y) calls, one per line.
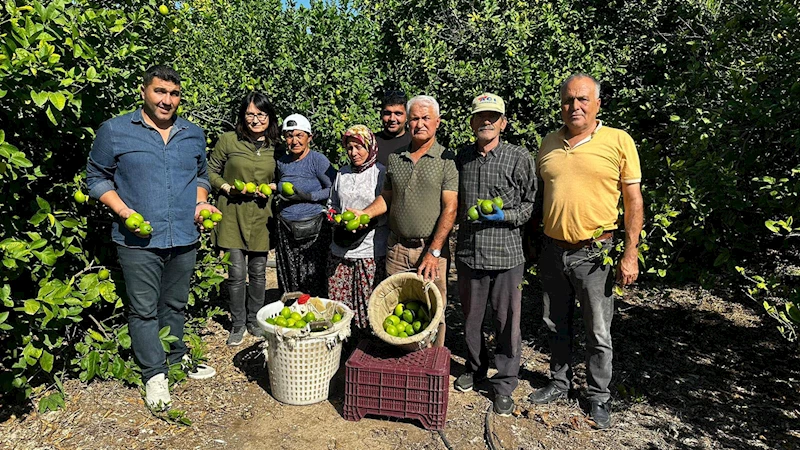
point(583, 168)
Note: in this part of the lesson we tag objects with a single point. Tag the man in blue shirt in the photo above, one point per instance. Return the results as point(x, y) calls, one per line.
point(153, 163)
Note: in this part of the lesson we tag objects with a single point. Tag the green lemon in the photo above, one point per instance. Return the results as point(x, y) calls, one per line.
point(423, 314)
point(402, 325)
point(103, 274)
point(300, 324)
point(395, 319)
point(472, 213)
point(208, 224)
point(417, 325)
point(347, 216)
point(216, 217)
point(352, 225)
point(310, 317)
point(238, 185)
point(163, 10)
point(251, 188)
point(498, 202)
point(145, 229)
point(391, 330)
point(132, 223)
point(487, 206)
point(387, 322)
point(287, 188)
point(205, 214)
point(408, 316)
point(286, 312)
point(402, 334)
point(265, 189)
point(138, 217)
point(296, 315)
point(336, 317)
point(413, 306)
point(79, 197)
point(364, 219)
point(270, 320)
point(398, 310)
point(290, 322)
point(409, 329)
point(280, 321)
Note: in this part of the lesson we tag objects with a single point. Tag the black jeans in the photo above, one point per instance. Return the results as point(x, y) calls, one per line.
point(569, 275)
point(247, 268)
point(499, 289)
point(157, 283)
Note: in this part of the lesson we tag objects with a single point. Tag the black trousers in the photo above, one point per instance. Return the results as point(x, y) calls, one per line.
point(503, 291)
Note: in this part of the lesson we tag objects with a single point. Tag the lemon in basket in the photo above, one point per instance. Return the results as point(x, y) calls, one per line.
point(286, 312)
point(296, 316)
point(300, 324)
point(402, 334)
point(391, 330)
point(409, 329)
point(408, 316)
point(310, 317)
point(290, 322)
point(280, 321)
point(417, 325)
point(398, 310)
point(395, 320)
point(336, 317)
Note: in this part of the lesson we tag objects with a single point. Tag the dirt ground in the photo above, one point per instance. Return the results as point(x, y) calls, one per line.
point(692, 370)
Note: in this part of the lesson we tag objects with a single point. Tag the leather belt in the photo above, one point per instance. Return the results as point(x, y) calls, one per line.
point(409, 243)
point(584, 243)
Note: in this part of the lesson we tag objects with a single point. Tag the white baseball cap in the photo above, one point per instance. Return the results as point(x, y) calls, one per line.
point(297, 122)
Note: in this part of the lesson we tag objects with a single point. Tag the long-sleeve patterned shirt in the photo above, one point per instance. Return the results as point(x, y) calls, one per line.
point(507, 171)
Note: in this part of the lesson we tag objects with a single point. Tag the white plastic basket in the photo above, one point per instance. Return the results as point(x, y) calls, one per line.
point(301, 363)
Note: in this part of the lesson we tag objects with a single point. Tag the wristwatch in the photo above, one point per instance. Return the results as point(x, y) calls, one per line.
point(435, 252)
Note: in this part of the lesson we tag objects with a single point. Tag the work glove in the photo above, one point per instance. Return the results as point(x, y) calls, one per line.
point(496, 216)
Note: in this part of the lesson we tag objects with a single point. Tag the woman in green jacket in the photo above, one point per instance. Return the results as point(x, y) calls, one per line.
point(247, 155)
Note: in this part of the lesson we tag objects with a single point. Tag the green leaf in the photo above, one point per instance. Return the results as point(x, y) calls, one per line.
point(32, 306)
point(47, 256)
point(46, 361)
point(3, 316)
point(5, 295)
point(43, 205)
point(674, 118)
point(770, 224)
point(18, 159)
point(51, 116)
point(39, 98)
point(58, 99)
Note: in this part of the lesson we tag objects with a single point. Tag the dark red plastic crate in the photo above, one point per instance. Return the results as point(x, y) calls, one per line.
point(381, 381)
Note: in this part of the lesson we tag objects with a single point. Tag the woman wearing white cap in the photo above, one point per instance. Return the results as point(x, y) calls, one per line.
point(303, 178)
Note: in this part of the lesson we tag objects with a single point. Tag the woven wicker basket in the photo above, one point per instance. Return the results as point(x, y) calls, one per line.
point(301, 363)
point(402, 288)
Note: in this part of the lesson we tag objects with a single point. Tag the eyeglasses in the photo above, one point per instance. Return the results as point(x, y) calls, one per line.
point(260, 116)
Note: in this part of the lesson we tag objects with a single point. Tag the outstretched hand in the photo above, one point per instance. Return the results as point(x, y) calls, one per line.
point(497, 215)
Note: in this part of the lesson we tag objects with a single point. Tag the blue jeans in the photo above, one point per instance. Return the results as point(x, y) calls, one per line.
point(247, 280)
point(157, 282)
point(580, 274)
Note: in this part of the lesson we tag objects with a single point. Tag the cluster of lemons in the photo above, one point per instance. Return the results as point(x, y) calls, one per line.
point(136, 223)
point(210, 220)
point(407, 319)
point(351, 222)
point(251, 188)
point(293, 319)
point(486, 207)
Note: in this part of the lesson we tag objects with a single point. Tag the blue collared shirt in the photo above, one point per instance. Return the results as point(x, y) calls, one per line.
point(157, 180)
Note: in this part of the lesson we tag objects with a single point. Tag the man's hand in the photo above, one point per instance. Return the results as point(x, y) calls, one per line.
point(198, 219)
point(124, 213)
point(429, 268)
point(497, 215)
point(628, 270)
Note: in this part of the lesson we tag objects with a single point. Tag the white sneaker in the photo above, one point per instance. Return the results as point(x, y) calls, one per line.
point(157, 392)
point(201, 372)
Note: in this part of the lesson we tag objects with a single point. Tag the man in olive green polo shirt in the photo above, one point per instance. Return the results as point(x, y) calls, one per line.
point(421, 195)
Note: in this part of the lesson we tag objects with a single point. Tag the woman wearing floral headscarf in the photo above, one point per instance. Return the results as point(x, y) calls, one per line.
point(358, 258)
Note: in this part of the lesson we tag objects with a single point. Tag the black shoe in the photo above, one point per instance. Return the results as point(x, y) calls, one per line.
point(255, 330)
point(236, 337)
point(547, 394)
point(600, 414)
point(503, 405)
point(466, 381)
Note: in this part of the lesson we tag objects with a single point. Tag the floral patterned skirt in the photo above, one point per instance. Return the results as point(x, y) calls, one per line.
point(351, 282)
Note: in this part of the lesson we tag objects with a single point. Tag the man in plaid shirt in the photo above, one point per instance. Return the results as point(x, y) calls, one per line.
point(489, 254)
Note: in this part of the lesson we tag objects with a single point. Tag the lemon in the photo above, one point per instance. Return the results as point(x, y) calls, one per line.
point(145, 229)
point(216, 217)
point(408, 316)
point(395, 319)
point(410, 329)
point(353, 225)
point(417, 325)
point(287, 188)
point(402, 334)
point(364, 219)
point(300, 324)
point(251, 187)
point(338, 218)
point(265, 189)
point(347, 216)
point(239, 185)
point(398, 310)
point(79, 197)
point(487, 206)
point(290, 322)
point(270, 320)
point(205, 214)
point(413, 306)
point(208, 224)
point(391, 330)
point(286, 312)
point(132, 223)
point(295, 315)
point(498, 202)
point(138, 217)
point(336, 317)
point(472, 213)
point(103, 274)
point(310, 317)
point(387, 322)
point(280, 321)
point(163, 10)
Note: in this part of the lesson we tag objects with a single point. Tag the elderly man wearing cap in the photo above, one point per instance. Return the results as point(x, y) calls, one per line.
point(489, 254)
point(420, 193)
point(304, 179)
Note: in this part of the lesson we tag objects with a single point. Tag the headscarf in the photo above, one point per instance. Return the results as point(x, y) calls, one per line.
point(364, 136)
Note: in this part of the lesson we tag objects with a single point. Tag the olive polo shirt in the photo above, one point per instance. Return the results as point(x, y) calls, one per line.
point(417, 190)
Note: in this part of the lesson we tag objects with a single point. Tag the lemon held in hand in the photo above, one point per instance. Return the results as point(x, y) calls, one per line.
point(251, 188)
point(216, 217)
point(287, 188)
point(208, 224)
point(472, 213)
point(353, 225)
point(347, 216)
point(239, 185)
point(145, 229)
point(205, 214)
point(487, 206)
point(265, 189)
